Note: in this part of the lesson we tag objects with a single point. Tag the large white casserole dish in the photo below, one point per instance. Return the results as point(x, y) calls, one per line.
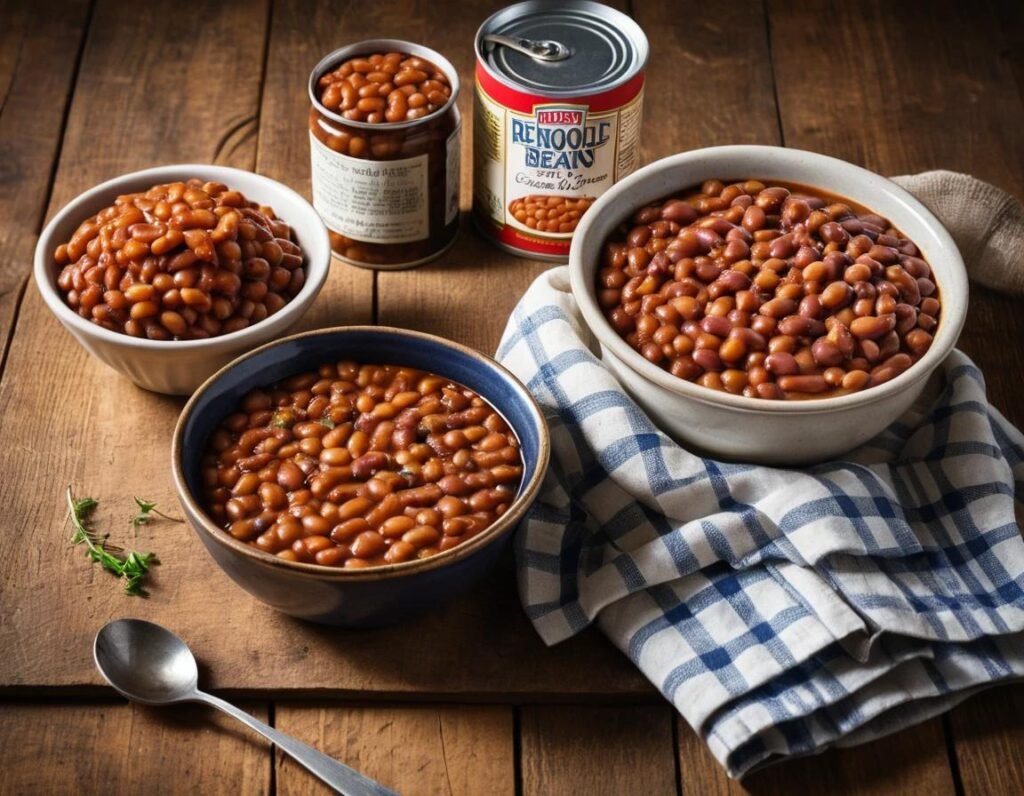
point(749, 429)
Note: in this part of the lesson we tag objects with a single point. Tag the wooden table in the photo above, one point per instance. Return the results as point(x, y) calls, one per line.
point(466, 700)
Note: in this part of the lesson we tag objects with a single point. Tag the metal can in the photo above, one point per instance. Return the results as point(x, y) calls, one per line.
point(559, 93)
point(388, 191)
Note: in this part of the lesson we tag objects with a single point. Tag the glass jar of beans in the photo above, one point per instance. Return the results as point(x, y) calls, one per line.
point(384, 143)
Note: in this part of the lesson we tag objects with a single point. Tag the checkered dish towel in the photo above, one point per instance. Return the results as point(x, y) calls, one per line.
point(780, 610)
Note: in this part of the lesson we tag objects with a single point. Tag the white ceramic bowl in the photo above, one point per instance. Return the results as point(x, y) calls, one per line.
point(750, 429)
point(179, 366)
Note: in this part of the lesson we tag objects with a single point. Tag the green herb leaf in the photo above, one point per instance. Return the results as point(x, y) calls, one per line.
point(326, 421)
point(283, 418)
point(147, 508)
point(133, 566)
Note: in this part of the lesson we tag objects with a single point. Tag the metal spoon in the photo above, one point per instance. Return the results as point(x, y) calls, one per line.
point(149, 664)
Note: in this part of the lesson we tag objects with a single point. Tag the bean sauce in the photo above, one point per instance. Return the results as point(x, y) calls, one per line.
point(181, 261)
point(773, 291)
point(360, 465)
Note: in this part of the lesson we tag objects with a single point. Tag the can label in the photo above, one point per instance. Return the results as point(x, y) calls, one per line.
point(540, 163)
point(375, 201)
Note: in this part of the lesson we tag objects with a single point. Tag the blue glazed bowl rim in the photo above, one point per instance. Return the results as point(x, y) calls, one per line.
point(202, 525)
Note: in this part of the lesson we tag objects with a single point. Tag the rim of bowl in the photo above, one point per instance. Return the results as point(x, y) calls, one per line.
point(952, 285)
point(504, 524)
point(88, 203)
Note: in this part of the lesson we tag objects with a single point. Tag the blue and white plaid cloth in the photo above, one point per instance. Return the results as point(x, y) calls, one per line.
point(780, 611)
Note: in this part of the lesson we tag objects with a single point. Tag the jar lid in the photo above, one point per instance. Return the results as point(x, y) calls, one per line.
point(564, 49)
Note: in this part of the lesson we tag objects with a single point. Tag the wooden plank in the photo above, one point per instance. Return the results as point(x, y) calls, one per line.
point(912, 763)
point(107, 747)
point(1010, 17)
point(300, 35)
point(596, 749)
point(467, 294)
point(39, 46)
point(989, 734)
point(113, 459)
point(139, 101)
point(709, 77)
point(426, 749)
point(903, 95)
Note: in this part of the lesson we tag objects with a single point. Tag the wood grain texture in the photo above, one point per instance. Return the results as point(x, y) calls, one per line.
point(709, 79)
point(301, 34)
point(453, 750)
point(113, 748)
point(567, 749)
point(39, 46)
point(903, 90)
point(904, 94)
point(67, 418)
point(1010, 16)
point(113, 459)
point(909, 89)
point(468, 293)
point(912, 763)
point(989, 734)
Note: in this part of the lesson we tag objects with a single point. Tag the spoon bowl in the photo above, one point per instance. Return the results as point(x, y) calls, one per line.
point(146, 662)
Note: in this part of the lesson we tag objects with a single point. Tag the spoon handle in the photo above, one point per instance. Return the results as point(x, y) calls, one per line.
point(339, 776)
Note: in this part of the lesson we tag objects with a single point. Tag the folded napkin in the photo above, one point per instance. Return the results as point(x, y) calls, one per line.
point(780, 610)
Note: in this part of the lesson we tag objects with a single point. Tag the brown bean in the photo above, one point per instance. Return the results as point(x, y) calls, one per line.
point(273, 495)
point(397, 526)
point(826, 353)
point(872, 327)
point(422, 536)
point(781, 364)
point(349, 529)
point(918, 341)
point(368, 544)
point(803, 384)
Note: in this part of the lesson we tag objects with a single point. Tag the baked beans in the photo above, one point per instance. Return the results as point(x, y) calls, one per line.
point(550, 213)
point(383, 87)
point(769, 291)
point(181, 261)
point(360, 465)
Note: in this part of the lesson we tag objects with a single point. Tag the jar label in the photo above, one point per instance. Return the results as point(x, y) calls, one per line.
point(376, 201)
point(536, 174)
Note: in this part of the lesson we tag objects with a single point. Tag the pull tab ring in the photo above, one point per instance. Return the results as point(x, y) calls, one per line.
point(540, 50)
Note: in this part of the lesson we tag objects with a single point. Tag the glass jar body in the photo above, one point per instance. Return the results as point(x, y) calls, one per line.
point(389, 194)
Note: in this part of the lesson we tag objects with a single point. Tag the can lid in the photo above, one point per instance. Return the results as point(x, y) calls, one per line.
point(605, 47)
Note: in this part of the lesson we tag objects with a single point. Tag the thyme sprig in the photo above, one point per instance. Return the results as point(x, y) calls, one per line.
point(132, 566)
point(147, 509)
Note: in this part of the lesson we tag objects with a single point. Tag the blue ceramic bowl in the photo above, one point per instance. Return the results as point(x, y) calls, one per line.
point(377, 595)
